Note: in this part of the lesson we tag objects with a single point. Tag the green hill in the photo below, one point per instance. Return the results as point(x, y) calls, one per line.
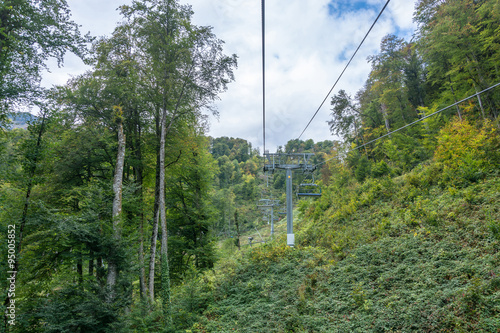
point(404, 238)
point(20, 119)
point(431, 267)
point(417, 252)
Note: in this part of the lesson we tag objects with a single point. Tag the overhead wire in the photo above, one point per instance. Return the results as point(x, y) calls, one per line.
point(342, 73)
point(416, 121)
point(264, 75)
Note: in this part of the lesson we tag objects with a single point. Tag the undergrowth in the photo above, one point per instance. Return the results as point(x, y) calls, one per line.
point(408, 259)
point(418, 252)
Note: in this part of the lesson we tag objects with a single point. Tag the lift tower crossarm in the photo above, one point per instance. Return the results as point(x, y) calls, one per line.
point(284, 161)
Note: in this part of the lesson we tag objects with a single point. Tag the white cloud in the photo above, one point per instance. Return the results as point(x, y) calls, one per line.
point(306, 50)
point(96, 17)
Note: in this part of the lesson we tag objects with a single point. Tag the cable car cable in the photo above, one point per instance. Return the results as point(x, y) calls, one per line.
point(264, 75)
point(333, 87)
point(416, 121)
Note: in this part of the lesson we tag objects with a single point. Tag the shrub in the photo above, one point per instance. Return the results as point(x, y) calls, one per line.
point(380, 169)
point(362, 169)
point(467, 153)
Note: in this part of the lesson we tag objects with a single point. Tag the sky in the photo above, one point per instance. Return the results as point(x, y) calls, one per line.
point(308, 44)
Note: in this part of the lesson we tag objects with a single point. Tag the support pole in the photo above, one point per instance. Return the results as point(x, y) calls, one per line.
point(289, 162)
point(272, 221)
point(290, 237)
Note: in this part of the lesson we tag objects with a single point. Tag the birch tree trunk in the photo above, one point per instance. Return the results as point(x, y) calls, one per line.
point(117, 208)
point(385, 114)
point(139, 180)
point(154, 233)
point(165, 277)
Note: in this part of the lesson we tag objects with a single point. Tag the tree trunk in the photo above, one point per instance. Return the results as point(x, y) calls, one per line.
point(99, 272)
point(160, 159)
point(480, 102)
point(79, 268)
point(454, 98)
point(165, 278)
point(236, 222)
point(154, 236)
point(385, 114)
point(91, 263)
point(142, 269)
point(117, 209)
point(138, 170)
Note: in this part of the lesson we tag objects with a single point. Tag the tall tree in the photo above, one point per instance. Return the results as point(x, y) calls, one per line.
point(190, 211)
point(346, 118)
point(116, 61)
point(387, 80)
point(117, 200)
point(460, 53)
point(31, 162)
point(31, 32)
point(183, 70)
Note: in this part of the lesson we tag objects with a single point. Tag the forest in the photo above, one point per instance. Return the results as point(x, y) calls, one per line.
point(118, 213)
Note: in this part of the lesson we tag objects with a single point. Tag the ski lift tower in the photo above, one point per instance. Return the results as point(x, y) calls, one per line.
point(269, 203)
point(288, 162)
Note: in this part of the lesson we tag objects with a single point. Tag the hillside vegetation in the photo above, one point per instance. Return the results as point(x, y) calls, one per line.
point(418, 252)
point(122, 215)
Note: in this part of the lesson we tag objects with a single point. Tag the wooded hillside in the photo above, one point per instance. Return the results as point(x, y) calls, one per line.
point(122, 215)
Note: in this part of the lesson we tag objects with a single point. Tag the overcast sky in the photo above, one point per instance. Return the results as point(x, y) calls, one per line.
point(308, 43)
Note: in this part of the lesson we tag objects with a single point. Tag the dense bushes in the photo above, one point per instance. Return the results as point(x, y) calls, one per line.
point(467, 153)
point(417, 252)
point(413, 257)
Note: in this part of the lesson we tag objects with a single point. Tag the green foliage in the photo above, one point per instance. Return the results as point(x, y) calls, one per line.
point(467, 153)
point(380, 169)
point(71, 309)
point(144, 319)
point(397, 264)
point(246, 301)
point(31, 32)
point(399, 241)
point(190, 214)
point(192, 298)
point(452, 56)
point(345, 117)
point(362, 169)
point(234, 148)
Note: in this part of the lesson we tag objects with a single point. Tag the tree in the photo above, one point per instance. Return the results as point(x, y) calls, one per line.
point(33, 151)
point(183, 70)
point(115, 60)
point(31, 32)
point(190, 210)
point(345, 117)
point(117, 200)
point(149, 82)
point(387, 80)
point(460, 53)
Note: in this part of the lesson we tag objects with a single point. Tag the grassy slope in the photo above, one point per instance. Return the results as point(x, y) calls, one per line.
point(386, 256)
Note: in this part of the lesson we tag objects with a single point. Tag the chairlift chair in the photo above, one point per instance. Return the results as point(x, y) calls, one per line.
point(309, 189)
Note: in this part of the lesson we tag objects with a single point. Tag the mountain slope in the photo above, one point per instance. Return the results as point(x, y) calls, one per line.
point(414, 273)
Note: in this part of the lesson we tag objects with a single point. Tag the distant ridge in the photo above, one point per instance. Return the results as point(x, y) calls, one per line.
point(20, 120)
